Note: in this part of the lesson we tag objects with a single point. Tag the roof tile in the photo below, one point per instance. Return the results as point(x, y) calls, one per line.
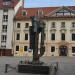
point(33, 11)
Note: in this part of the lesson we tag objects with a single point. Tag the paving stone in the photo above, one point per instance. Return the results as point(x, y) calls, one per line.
point(66, 64)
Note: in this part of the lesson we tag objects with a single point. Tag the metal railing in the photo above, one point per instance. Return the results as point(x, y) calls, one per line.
point(7, 66)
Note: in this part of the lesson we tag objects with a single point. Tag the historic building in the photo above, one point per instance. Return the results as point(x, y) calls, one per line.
point(59, 30)
point(8, 9)
point(14, 29)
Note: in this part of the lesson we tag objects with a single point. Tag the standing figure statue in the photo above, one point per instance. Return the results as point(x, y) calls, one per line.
point(34, 30)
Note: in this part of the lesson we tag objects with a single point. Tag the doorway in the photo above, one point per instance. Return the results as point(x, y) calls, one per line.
point(63, 50)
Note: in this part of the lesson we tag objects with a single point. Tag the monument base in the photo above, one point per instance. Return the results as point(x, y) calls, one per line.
point(33, 68)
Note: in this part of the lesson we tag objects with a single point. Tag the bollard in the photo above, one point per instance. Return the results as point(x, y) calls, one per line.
point(6, 67)
point(55, 68)
point(57, 65)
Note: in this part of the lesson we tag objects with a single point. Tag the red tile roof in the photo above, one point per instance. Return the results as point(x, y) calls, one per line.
point(12, 4)
point(33, 12)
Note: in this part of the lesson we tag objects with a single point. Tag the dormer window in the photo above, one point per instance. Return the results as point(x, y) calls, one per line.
point(24, 13)
point(40, 12)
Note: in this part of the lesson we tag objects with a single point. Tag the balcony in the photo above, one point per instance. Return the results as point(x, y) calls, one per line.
point(3, 42)
point(4, 31)
point(5, 20)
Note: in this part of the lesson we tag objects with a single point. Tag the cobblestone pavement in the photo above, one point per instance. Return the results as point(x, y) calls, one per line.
point(66, 65)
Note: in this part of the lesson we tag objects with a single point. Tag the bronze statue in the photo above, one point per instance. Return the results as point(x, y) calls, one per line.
point(37, 28)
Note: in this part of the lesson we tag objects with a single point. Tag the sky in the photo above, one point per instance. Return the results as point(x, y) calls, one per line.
point(48, 3)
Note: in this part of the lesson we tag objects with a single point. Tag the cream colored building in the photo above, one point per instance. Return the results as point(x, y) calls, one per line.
point(59, 30)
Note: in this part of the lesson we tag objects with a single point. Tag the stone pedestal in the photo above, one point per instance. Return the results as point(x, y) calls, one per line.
point(33, 68)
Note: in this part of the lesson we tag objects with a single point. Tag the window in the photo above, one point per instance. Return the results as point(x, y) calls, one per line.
point(26, 36)
point(53, 36)
point(63, 36)
point(52, 48)
point(25, 48)
point(24, 13)
point(18, 25)
point(64, 12)
point(5, 10)
point(5, 17)
point(53, 25)
point(73, 24)
point(3, 38)
point(17, 48)
point(26, 25)
point(62, 24)
point(73, 37)
point(4, 28)
point(18, 36)
point(73, 49)
point(3, 46)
